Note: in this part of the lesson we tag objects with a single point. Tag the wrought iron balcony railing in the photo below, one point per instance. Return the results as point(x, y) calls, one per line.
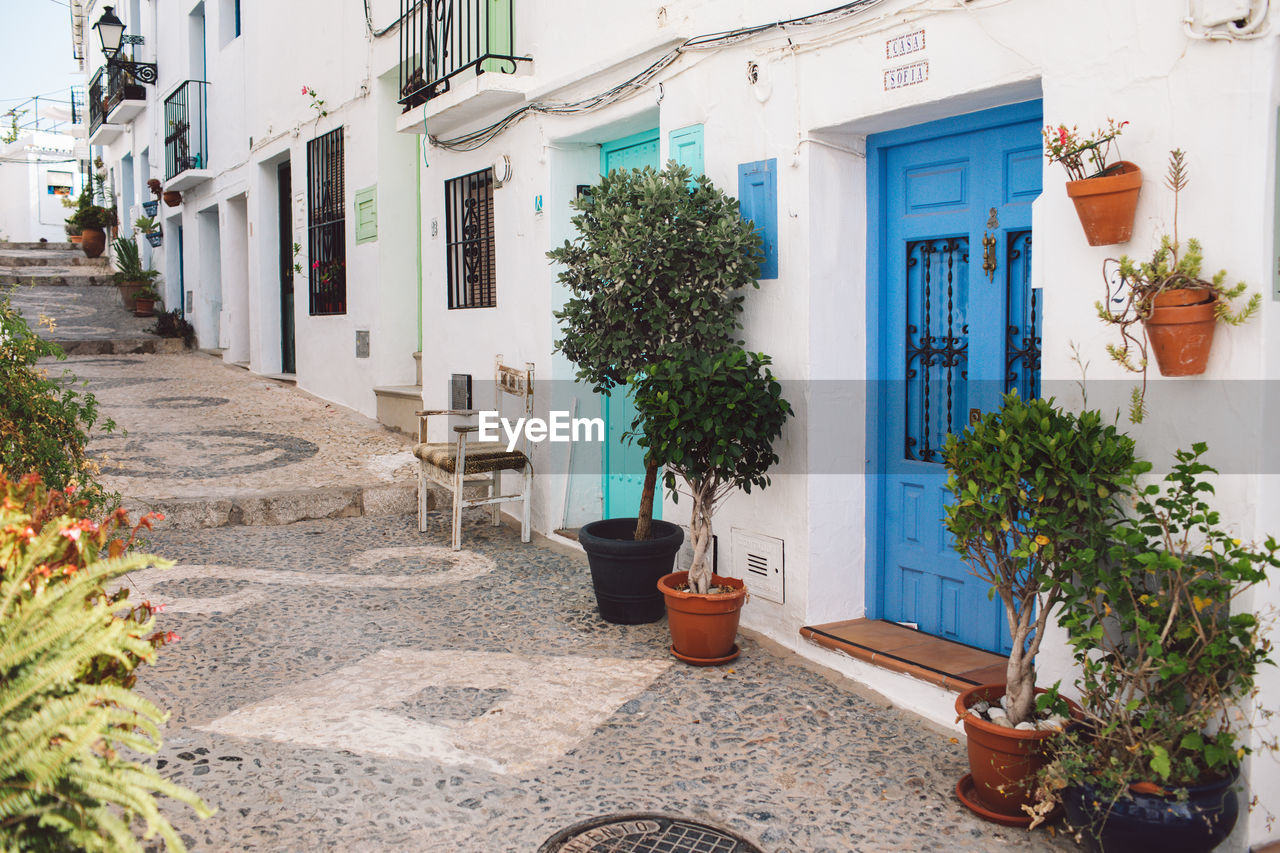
point(110, 87)
point(442, 39)
point(186, 135)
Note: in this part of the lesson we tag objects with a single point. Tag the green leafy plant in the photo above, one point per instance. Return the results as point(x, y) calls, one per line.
point(711, 419)
point(1035, 488)
point(317, 103)
point(144, 224)
point(68, 651)
point(1137, 284)
point(171, 324)
point(656, 272)
point(12, 134)
point(45, 423)
point(148, 292)
point(128, 260)
point(1165, 659)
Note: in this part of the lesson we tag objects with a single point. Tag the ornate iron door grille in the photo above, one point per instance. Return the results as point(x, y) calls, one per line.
point(469, 241)
point(1022, 346)
point(937, 355)
point(326, 225)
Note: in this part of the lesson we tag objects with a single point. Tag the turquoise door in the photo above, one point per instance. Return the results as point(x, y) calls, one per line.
point(624, 461)
point(953, 325)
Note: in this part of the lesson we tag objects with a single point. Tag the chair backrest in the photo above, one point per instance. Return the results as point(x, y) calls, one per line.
point(513, 381)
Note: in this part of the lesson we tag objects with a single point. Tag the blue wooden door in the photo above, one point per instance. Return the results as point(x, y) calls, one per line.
point(956, 325)
point(624, 461)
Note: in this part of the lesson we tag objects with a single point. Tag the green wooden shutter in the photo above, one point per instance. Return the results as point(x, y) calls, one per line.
point(686, 148)
point(367, 214)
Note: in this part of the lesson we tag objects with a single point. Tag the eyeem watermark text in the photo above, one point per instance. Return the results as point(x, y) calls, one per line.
point(560, 427)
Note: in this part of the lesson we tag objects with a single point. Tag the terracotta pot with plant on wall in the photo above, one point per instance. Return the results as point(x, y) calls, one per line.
point(1105, 195)
point(173, 198)
point(1180, 330)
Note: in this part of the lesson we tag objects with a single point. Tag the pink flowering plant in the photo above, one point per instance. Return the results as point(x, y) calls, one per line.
point(317, 103)
point(1083, 156)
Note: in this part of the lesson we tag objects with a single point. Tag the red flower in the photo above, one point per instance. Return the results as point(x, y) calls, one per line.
point(304, 90)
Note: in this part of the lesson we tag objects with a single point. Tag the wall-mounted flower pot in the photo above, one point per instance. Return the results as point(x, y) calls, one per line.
point(93, 242)
point(704, 628)
point(1106, 205)
point(1180, 330)
point(155, 238)
point(151, 208)
point(173, 198)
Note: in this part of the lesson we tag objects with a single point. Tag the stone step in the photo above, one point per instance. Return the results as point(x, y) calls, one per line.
point(149, 345)
point(397, 405)
point(51, 259)
point(56, 277)
point(65, 247)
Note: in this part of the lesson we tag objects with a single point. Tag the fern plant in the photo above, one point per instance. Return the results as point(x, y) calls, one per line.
point(67, 654)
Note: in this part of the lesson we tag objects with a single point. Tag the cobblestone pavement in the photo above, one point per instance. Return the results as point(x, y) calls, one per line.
point(79, 313)
point(351, 684)
point(209, 444)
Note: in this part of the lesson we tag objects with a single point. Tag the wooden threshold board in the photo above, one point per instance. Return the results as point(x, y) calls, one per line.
point(950, 665)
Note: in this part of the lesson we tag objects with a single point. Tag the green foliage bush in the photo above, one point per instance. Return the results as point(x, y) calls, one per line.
point(129, 262)
point(171, 324)
point(1035, 490)
point(45, 424)
point(1164, 660)
point(68, 651)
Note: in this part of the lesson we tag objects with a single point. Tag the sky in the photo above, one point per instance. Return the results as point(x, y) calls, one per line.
point(35, 52)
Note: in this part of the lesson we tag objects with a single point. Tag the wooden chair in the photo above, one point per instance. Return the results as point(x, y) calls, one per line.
point(460, 464)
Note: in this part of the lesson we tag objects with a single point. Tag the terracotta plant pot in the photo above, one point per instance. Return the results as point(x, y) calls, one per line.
point(1106, 205)
point(1003, 762)
point(703, 627)
point(1181, 331)
point(75, 239)
point(144, 307)
point(129, 293)
point(93, 242)
point(173, 198)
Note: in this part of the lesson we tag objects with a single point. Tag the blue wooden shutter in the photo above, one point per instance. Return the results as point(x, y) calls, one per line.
point(686, 148)
point(758, 202)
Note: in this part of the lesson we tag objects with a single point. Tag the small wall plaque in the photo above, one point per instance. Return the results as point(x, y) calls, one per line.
point(902, 45)
point(907, 75)
point(362, 343)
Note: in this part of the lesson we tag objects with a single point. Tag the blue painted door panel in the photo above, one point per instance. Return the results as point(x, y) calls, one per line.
point(952, 338)
point(686, 148)
point(623, 480)
point(758, 202)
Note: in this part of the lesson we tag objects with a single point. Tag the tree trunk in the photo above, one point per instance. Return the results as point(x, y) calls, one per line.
point(700, 531)
point(1020, 677)
point(644, 520)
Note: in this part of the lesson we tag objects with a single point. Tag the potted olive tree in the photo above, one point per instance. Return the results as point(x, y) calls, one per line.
point(656, 271)
point(1166, 661)
point(711, 419)
point(1034, 488)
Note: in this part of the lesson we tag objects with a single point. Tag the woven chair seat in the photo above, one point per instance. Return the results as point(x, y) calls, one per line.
point(482, 457)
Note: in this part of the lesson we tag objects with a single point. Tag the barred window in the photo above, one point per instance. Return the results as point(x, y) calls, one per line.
point(326, 225)
point(469, 242)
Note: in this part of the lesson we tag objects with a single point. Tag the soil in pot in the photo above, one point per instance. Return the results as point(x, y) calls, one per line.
point(1003, 762)
point(93, 242)
point(625, 572)
point(1146, 821)
point(1106, 204)
point(1181, 331)
point(703, 627)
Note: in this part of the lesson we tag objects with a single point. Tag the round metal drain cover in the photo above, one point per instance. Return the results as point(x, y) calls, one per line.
point(645, 833)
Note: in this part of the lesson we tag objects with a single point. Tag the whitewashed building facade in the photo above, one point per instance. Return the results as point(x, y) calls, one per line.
point(848, 133)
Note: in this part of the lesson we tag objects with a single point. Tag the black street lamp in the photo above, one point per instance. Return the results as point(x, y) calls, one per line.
point(111, 32)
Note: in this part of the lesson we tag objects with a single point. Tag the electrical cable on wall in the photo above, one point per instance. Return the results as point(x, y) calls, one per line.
point(637, 82)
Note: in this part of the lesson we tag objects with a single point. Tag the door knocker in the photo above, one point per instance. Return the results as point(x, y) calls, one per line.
point(989, 248)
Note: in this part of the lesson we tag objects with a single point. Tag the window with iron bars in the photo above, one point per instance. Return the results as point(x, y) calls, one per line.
point(326, 225)
point(469, 240)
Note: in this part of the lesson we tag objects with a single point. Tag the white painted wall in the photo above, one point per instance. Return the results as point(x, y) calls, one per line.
point(29, 166)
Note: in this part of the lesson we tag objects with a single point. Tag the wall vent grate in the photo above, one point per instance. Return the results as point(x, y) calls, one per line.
point(758, 560)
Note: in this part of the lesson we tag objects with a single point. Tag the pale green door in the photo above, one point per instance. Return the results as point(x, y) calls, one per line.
point(624, 461)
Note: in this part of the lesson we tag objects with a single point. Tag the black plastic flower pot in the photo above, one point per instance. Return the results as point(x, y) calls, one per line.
point(1144, 822)
point(625, 572)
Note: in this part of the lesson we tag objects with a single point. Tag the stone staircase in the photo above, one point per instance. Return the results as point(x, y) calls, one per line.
point(398, 403)
point(56, 280)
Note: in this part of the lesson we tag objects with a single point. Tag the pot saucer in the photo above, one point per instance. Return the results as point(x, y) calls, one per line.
point(708, 661)
point(967, 795)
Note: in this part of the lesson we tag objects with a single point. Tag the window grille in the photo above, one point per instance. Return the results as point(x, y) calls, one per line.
point(326, 225)
point(469, 240)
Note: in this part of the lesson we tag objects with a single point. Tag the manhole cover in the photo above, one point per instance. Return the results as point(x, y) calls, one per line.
point(645, 833)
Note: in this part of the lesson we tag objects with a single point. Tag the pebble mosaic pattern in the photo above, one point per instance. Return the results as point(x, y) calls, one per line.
point(488, 713)
point(79, 313)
